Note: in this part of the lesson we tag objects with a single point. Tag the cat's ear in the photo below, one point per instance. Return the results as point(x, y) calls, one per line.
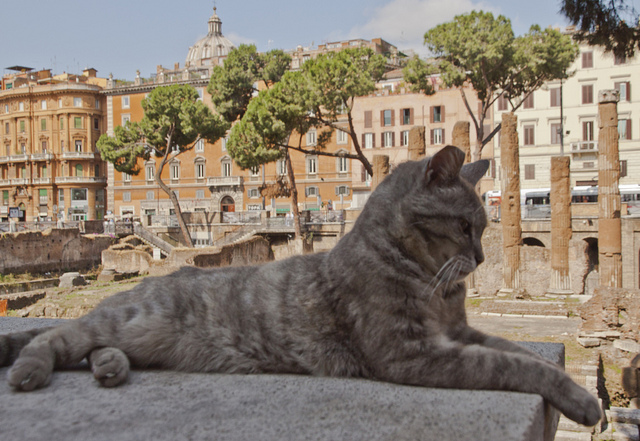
point(474, 171)
point(445, 165)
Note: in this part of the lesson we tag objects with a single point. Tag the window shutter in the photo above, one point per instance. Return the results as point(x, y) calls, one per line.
point(442, 120)
point(585, 131)
point(431, 132)
point(363, 146)
point(373, 141)
point(393, 117)
point(628, 92)
point(444, 142)
point(393, 139)
point(411, 116)
point(629, 129)
point(431, 119)
point(337, 190)
point(382, 140)
point(382, 118)
point(368, 119)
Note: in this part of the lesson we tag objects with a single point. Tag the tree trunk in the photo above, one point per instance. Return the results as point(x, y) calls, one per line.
point(294, 195)
point(186, 238)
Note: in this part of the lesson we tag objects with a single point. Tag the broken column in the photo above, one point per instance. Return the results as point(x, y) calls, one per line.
point(460, 139)
point(560, 282)
point(380, 170)
point(609, 225)
point(510, 205)
point(417, 143)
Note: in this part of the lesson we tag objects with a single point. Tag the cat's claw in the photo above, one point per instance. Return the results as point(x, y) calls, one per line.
point(28, 374)
point(110, 366)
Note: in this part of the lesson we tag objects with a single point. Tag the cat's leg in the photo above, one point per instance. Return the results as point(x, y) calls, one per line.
point(453, 365)
point(12, 344)
point(64, 345)
point(110, 366)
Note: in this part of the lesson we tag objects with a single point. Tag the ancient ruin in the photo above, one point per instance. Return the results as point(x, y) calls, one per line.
point(417, 143)
point(381, 168)
point(560, 282)
point(460, 138)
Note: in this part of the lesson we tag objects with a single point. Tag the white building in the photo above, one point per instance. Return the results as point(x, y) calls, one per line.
point(539, 121)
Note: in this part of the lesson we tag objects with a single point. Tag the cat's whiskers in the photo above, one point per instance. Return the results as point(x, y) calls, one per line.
point(447, 274)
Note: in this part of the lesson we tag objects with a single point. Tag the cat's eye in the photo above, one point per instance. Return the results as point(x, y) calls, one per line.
point(465, 226)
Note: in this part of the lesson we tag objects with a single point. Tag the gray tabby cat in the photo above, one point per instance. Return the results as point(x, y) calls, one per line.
point(387, 303)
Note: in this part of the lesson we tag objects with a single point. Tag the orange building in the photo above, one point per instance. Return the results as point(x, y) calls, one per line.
point(49, 126)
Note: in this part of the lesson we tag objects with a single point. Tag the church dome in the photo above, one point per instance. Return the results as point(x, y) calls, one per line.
point(211, 48)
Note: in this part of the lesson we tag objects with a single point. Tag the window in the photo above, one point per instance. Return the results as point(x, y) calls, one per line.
point(556, 135)
point(224, 144)
point(44, 172)
point(200, 146)
point(529, 137)
point(126, 177)
point(341, 137)
point(97, 103)
point(77, 122)
point(60, 197)
point(437, 136)
point(21, 106)
point(404, 136)
point(254, 172)
point(226, 168)
point(555, 96)
point(343, 165)
point(364, 174)
point(312, 165)
point(368, 119)
point(5, 197)
point(619, 59)
point(151, 195)
point(22, 126)
point(587, 130)
point(62, 145)
point(43, 105)
point(78, 145)
point(150, 172)
point(587, 60)
point(44, 146)
point(407, 117)
point(175, 171)
point(80, 171)
point(342, 190)
point(6, 128)
point(43, 124)
point(200, 169)
point(125, 119)
point(529, 171)
point(253, 193)
point(281, 167)
point(126, 196)
point(199, 194)
point(311, 191)
point(503, 103)
point(77, 102)
point(624, 128)
point(623, 168)
point(125, 102)
point(624, 87)
point(61, 123)
point(96, 124)
point(311, 137)
point(387, 118)
point(388, 139)
point(528, 102)
point(6, 108)
point(587, 94)
point(437, 114)
point(367, 140)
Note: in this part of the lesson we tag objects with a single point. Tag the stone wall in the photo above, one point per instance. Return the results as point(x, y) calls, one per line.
point(51, 250)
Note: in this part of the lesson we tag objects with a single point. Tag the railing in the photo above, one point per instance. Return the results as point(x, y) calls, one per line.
point(20, 181)
point(80, 179)
point(584, 147)
point(78, 155)
point(41, 157)
point(163, 220)
point(19, 158)
point(151, 238)
point(321, 217)
point(41, 181)
point(13, 227)
point(241, 217)
point(224, 181)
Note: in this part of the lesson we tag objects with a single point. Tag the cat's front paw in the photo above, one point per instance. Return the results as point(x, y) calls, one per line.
point(580, 406)
point(110, 366)
point(29, 373)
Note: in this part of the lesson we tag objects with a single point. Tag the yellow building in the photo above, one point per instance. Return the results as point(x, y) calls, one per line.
point(49, 166)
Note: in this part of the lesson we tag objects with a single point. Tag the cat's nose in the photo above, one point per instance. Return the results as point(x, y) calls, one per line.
point(479, 257)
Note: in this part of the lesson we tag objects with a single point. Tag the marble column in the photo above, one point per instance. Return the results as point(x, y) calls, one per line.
point(609, 206)
point(510, 205)
point(561, 231)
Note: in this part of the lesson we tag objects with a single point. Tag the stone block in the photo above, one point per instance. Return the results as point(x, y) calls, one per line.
point(627, 345)
point(69, 280)
point(589, 342)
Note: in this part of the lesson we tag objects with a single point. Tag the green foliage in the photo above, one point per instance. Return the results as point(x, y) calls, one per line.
point(232, 86)
point(416, 73)
point(174, 119)
point(614, 24)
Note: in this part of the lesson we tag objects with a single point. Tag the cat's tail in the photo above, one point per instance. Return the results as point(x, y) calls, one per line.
point(12, 344)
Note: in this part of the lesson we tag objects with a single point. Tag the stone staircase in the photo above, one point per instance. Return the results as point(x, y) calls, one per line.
point(163, 247)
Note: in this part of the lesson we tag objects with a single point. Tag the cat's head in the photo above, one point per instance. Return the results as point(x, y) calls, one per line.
point(435, 215)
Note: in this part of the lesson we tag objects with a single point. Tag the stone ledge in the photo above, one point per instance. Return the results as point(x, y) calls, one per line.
point(164, 405)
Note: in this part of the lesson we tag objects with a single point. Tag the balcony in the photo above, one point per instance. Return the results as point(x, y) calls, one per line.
point(5, 159)
point(80, 180)
point(42, 181)
point(42, 157)
point(78, 155)
point(20, 181)
point(4, 182)
point(225, 181)
point(578, 148)
point(19, 158)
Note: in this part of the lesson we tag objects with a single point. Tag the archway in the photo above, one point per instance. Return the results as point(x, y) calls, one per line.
point(227, 205)
point(532, 242)
point(592, 277)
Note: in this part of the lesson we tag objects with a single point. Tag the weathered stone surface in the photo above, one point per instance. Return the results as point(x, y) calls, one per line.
point(461, 139)
point(630, 381)
point(561, 231)
point(69, 280)
point(164, 405)
point(589, 342)
point(381, 168)
point(417, 143)
point(627, 345)
point(612, 310)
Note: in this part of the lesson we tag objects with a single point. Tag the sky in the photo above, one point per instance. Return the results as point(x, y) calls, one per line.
point(120, 37)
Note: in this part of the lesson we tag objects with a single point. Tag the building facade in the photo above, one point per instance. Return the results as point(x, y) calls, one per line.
point(561, 118)
point(49, 165)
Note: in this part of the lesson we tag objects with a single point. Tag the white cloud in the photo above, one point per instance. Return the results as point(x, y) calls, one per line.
point(403, 23)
